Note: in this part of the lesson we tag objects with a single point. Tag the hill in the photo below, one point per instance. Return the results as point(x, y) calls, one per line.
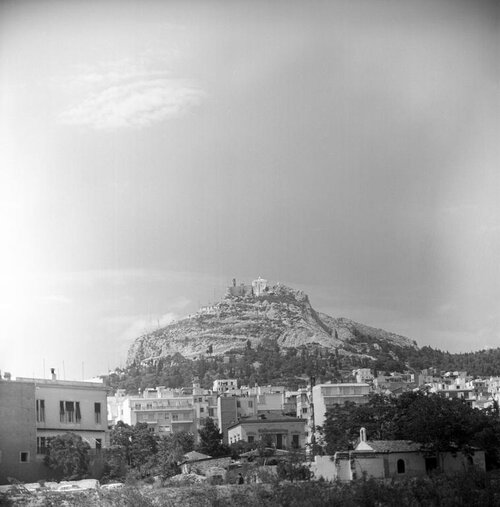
point(279, 315)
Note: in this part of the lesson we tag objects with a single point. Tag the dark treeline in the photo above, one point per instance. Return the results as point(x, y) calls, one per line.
point(437, 422)
point(267, 364)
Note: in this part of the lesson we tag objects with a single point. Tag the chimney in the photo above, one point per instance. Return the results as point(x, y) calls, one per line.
point(362, 435)
point(53, 373)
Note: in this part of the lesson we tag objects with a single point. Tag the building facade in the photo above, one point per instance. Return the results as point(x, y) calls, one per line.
point(33, 411)
point(165, 411)
point(280, 432)
point(70, 406)
point(18, 456)
point(393, 459)
point(327, 396)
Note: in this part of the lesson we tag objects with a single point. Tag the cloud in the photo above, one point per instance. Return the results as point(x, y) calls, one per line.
point(129, 327)
point(135, 104)
point(127, 93)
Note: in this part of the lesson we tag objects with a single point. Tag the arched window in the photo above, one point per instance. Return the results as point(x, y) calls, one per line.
point(401, 466)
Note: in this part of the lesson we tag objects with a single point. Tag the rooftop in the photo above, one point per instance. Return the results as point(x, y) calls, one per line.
point(389, 446)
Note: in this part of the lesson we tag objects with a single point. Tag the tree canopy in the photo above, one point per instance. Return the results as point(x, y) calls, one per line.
point(211, 440)
point(68, 455)
point(134, 449)
point(438, 422)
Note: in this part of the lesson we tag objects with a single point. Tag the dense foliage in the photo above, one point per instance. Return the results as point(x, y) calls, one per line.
point(431, 419)
point(268, 364)
point(211, 440)
point(68, 456)
point(136, 453)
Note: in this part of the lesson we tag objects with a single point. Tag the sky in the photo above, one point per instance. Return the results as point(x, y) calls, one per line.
point(150, 151)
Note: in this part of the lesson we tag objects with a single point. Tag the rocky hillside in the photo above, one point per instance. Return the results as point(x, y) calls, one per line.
point(279, 314)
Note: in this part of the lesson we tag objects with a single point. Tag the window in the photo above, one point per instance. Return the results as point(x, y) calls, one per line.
point(40, 410)
point(97, 413)
point(42, 445)
point(70, 411)
point(210, 412)
point(304, 410)
point(202, 409)
point(250, 404)
point(251, 439)
point(238, 404)
point(295, 441)
point(149, 406)
point(431, 464)
point(24, 457)
point(175, 417)
point(401, 466)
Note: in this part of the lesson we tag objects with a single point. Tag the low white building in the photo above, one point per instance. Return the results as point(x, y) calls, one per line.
point(392, 459)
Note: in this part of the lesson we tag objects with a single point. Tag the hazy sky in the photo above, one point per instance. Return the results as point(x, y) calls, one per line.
point(150, 151)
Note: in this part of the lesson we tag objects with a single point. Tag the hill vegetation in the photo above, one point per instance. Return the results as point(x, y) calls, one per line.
point(268, 364)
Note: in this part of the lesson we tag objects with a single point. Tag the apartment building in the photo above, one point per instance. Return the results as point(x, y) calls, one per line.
point(165, 411)
point(70, 406)
point(326, 396)
point(222, 386)
point(33, 411)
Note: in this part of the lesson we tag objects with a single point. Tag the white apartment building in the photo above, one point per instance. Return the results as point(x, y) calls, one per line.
point(164, 410)
point(221, 386)
point(326, 396)
point(70, 406)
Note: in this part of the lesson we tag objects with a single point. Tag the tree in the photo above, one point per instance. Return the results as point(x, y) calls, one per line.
point(115, 463)
point(143, 447)
point(138, 447)
point(68, 455)
point(121, 436)
point(293, 468)
point(171, 449)
point(211, 440)
point(439, 423)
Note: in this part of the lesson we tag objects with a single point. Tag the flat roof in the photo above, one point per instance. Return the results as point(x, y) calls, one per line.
point(62, 383)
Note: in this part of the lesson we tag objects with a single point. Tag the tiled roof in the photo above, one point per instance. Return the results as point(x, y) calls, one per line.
point(394, 445)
